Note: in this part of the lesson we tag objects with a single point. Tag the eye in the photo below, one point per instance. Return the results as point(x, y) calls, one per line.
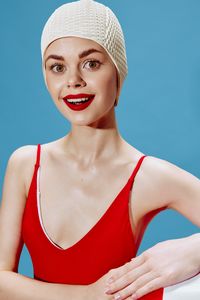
point(93, 64)
point(57, 67)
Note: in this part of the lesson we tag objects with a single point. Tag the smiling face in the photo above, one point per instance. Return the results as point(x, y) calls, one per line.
point(74, 66)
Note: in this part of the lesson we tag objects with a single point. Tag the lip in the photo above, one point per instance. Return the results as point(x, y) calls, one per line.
point(78, 107)
point(78, 96)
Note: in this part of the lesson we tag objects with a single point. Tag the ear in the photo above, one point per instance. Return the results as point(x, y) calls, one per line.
point(118, 88)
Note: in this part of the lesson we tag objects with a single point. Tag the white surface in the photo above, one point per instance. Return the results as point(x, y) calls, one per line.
point(186, 290)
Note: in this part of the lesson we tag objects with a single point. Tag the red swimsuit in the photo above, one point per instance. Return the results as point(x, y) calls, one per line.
point(109, 243)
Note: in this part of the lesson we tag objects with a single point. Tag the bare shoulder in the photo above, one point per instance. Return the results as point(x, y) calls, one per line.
point(21, 162)
point(159, 173)
point(20, 157)
point(23, 157)
point(22, 154)
point(165, 173)
point(160, 168)
point(17, 165)
point(157, 183)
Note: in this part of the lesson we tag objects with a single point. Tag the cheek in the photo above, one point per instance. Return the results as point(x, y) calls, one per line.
point(107, 84)
point(54, 85)
point(110, 84)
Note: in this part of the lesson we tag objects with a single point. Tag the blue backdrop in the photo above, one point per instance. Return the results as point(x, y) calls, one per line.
point(159, 107)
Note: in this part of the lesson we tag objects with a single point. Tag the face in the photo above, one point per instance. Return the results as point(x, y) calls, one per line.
point(75, 66)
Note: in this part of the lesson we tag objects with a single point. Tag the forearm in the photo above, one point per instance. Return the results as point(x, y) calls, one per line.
point(14, 286)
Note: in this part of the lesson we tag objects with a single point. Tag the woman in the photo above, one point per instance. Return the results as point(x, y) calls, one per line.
point(77, 212)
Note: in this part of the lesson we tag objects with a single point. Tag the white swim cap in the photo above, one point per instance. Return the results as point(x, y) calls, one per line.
point(92, 20)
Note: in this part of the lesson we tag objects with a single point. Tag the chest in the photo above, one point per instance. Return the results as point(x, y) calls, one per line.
point(70, 206)
point(71, 202)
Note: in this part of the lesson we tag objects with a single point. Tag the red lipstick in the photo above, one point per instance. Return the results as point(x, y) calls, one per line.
point(81, 101)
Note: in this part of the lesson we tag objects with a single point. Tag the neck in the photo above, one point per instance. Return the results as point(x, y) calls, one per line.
point(95, 142)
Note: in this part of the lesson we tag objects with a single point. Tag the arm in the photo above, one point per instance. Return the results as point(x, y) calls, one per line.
point(13, 285)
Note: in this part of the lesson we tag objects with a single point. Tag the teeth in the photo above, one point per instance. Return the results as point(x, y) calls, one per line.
point(77, 100)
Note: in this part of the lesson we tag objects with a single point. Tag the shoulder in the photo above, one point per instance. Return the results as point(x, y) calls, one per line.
point(154, 184)
point(164, 171)
point(21, 164)
point(159, 167)
point(22, 152)
point(160, 172)
point(22, 155)
point(167, 180)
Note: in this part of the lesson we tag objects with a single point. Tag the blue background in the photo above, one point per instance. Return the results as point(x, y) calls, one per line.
point(159, 107)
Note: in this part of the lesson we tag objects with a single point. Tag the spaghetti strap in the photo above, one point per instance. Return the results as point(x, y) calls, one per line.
point(136, 169)
point(37, 164)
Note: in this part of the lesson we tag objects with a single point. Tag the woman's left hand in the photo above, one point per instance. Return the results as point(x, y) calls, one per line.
point(165, 264)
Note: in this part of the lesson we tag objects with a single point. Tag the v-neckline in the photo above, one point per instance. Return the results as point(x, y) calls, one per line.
point(44, 232)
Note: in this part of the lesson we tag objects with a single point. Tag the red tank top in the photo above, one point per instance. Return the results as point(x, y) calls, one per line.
point(109, 243)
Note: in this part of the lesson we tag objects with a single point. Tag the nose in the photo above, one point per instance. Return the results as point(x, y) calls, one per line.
point(74, 79)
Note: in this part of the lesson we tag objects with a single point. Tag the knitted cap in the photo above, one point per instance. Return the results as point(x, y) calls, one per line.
point(92, 20)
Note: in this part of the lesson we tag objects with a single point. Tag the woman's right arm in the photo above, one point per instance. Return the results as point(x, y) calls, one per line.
point(14, 286)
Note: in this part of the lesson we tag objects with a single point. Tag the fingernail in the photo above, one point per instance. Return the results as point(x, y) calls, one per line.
point(107, 291)
point(117, 297)
point(134, 297)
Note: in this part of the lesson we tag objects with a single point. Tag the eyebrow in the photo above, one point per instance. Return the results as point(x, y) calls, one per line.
point(81, 55)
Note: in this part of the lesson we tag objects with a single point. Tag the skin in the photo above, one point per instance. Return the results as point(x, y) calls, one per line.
point(107, 161)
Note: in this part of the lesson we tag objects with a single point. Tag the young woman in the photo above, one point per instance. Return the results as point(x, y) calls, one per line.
point(80, 202)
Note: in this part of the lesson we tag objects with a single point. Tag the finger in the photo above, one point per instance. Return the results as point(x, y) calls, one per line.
point(118, 272)
point(127, 278)
point(137, 261)
point(135, 286)
point(149, 287)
